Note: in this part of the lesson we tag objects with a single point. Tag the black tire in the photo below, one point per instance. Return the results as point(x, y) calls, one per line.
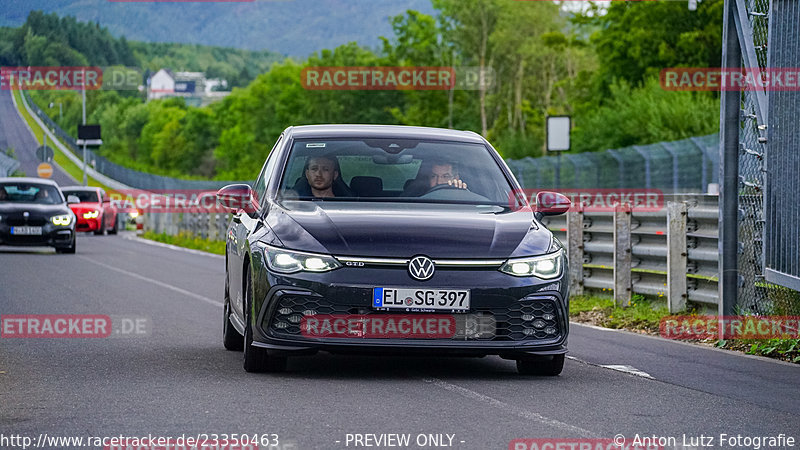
point(256, 359)
point(68, 250)
point(102, 230)
point(231, 339)
point(541, 367)
point(114, 230)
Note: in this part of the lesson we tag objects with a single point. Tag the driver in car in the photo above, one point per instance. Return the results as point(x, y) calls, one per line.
point(433, 174)
point(445, 173)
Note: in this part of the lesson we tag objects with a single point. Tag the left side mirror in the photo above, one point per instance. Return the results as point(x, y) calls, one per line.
point(73, 199)
point(551, 204)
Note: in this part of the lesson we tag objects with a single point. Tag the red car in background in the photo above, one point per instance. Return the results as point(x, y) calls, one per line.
point(94, 212)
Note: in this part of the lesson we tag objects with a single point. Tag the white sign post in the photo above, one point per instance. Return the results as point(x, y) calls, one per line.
point(558, 128)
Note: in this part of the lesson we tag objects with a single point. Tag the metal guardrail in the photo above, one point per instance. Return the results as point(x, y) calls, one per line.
point(206, 225)
point(7, 165)
point(669, 253)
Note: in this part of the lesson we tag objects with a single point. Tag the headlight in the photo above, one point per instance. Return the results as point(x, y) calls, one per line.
point(63, 219)
point(91, 214)
point(545, 266)
point(288, 261)
point(133, 214)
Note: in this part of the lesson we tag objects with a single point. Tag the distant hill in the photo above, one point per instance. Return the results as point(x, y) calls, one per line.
point(290, 27)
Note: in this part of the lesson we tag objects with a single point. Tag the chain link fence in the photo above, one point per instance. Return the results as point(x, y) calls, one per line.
point(685, 166)
point(755, 294)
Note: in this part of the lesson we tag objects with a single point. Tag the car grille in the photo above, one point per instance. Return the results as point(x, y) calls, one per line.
point(31, 221)
point(529, 319)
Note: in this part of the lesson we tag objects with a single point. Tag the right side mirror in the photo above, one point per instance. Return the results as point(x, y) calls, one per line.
point(73, 199)
point(550, 203)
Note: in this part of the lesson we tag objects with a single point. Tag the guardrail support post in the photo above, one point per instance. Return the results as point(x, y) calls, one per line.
point(677, 256)
point(622, 255)
point(212, 226)
point(575, 249)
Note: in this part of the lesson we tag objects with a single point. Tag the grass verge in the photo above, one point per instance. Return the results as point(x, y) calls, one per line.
point(644, 316)
point(59, 158)
point(188, 240)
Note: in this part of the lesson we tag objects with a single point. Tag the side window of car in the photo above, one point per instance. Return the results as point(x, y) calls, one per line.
point(263, 178)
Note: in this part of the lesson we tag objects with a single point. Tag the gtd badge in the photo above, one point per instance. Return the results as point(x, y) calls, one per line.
point(420, 268)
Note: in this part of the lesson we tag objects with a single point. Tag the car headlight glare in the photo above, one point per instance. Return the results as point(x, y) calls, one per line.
point(91, 214)
point(544, 266)
point(61, 220)
point(288, 261)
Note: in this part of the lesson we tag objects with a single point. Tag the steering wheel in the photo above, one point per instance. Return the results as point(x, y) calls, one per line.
point(440, 187)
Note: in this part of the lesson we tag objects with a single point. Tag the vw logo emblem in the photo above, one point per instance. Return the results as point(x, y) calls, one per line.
point(420, 268)
point(26, 214)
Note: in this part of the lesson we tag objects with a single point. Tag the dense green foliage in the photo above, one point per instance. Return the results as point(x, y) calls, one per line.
point(600, 68)
point(47, 40)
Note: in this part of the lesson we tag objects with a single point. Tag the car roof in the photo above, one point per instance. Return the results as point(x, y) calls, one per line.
point(381, 131)
point(28, 180)
point(80, 188)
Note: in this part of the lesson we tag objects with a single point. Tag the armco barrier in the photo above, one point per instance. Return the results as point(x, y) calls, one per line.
point(670, 253)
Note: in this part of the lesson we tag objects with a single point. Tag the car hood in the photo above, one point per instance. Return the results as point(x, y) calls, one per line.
point(86, 206)
point(407, 229)
point(34, 209)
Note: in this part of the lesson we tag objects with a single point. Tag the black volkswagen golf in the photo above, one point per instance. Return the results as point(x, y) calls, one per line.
point(392, 240)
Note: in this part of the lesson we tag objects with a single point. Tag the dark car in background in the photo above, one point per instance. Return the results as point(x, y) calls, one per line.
point(34, 212)
point(389, 239)
point(95, 211)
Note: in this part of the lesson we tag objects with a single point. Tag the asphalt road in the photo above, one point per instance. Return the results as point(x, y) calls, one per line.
point(177, 379)
point(14, 133)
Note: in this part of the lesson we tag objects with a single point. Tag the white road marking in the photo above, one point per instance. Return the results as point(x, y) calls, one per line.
point(521, 412)
point(627, 369)
point(156, 282)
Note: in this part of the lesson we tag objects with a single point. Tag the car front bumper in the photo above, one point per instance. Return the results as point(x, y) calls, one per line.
point(52, 236)
point(500, 320)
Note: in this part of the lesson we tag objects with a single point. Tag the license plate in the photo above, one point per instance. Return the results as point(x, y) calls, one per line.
point(26, 231)
point(386, 298)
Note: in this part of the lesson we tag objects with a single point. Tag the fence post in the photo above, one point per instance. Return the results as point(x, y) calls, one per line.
point(622, 255)
point(676, 256)
point(575, 249)
point(212, 226)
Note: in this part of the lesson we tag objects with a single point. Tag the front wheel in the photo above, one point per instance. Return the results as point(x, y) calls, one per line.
point(70, 249)
point(231, 339)
point(256, 359)
point(101, 228)
point(541, 367)
point(114, 229)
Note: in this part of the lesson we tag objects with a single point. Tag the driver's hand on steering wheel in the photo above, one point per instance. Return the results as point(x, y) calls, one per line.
point(457, 183)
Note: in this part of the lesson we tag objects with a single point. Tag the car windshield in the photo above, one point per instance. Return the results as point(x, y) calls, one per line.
point(83, 196)
point(395, 170)
point(30, 193)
